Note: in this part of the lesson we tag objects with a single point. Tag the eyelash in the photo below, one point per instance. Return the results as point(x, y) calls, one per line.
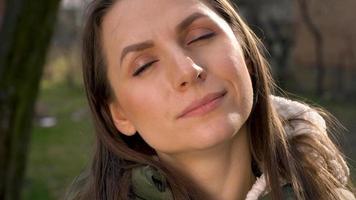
point(143, 67)
point(206, 36)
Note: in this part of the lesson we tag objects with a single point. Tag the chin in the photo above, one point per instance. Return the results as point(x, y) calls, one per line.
point(214, 135)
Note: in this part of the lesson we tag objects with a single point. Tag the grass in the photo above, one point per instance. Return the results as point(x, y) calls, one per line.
point(59, 153)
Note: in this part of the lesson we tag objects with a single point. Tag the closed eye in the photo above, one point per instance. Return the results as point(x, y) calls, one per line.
point(202, 37)
point(143, 68)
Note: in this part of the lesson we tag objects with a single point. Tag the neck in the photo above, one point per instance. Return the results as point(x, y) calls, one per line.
point(224, 171)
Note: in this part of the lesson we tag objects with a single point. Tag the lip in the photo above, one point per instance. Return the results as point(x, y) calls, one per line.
point(203, 105)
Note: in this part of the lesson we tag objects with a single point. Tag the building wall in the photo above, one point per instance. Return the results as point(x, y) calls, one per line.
point(337, 21)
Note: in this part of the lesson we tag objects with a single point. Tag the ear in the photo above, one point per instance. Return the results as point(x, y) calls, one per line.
point(120, 120)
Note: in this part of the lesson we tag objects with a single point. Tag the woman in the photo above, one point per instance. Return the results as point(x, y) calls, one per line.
point(183, 109)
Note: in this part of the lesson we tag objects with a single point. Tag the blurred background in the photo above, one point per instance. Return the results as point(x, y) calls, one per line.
point(46, 134)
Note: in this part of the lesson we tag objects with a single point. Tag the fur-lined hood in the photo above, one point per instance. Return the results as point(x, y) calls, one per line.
point(290, 109)
point(150, 185)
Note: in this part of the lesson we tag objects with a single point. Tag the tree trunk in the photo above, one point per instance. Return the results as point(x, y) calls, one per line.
point(319, 46)
point(25, 34)
point(2, 8)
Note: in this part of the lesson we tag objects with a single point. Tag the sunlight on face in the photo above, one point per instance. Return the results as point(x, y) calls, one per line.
point(155, 50)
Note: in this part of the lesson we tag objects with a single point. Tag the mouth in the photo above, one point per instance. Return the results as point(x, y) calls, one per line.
point(204, 105)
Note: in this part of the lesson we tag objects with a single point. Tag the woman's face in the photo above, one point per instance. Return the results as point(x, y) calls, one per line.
point(154, 51)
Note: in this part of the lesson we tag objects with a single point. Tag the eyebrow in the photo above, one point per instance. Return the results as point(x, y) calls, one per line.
point(189, 20)
point(136, 47)
point(149, 43)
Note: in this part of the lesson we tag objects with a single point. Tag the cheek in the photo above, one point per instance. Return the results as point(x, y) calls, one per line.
point(141, 104)
point(231, 67)
point(147, 111)
point(228, 62)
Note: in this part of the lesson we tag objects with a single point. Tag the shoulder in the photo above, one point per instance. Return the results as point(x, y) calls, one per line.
point(80, 188)
point(148, 183)
point(301, 119)
point(345, 194)
point(287, 193)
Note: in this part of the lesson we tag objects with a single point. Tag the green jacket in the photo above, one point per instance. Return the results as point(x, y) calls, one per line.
point(149, 184)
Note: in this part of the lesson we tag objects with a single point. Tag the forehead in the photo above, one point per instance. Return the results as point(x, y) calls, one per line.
point(131, 19)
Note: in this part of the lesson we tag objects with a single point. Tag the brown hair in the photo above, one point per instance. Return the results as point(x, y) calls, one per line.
point(116, 154)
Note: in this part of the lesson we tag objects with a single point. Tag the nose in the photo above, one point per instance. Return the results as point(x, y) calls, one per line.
point(186, 72)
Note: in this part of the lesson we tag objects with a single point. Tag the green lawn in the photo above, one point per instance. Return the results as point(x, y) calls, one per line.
point(59, 153)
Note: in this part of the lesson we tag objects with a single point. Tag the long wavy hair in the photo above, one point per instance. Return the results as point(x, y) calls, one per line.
point(276, 156)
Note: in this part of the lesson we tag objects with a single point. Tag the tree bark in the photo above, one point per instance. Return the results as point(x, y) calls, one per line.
point(319, 46)
point(25, 34)
point(2, 8)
